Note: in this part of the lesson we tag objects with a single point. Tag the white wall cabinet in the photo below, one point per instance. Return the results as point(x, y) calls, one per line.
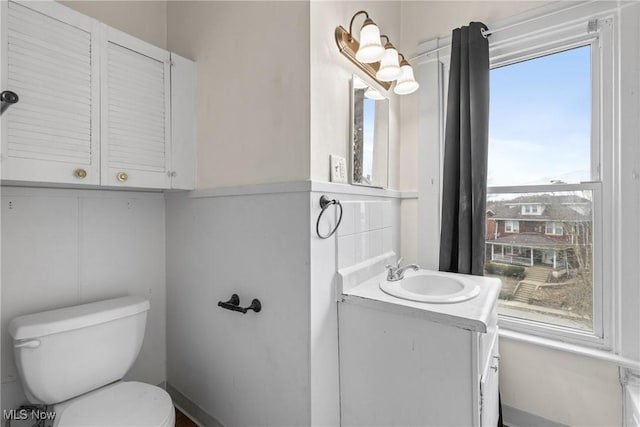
point(95, 103)
point(397, 369)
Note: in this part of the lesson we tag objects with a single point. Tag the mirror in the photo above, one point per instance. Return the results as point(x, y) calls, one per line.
point(370, 135)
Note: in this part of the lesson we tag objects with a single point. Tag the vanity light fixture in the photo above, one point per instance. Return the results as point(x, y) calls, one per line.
point(406, 83)
point(382, 64)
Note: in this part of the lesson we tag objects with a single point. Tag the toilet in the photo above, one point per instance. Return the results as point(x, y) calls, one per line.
point(74, 358)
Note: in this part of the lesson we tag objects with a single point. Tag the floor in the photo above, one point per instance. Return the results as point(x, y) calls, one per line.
point(183, 421)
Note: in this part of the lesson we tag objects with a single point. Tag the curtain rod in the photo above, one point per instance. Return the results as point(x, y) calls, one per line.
point(506, 27)
point(526, 21)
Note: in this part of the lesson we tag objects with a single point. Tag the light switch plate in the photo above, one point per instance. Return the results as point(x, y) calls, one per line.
point(338, 169)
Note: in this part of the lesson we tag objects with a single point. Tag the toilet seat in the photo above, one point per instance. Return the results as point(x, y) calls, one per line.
point(122, 404)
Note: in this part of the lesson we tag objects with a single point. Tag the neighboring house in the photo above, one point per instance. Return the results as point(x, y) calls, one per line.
point(540, 229)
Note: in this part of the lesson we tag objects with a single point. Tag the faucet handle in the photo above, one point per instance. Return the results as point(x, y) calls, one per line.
point(399, 262)
point(391, 271)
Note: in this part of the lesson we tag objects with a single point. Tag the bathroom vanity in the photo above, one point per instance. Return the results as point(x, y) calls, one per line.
point(415, 363)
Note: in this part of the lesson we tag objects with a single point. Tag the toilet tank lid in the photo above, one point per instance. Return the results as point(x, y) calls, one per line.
point(75, 317)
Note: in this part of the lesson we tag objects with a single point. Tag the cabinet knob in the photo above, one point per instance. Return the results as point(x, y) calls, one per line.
point(80, 173)
point(122, 176)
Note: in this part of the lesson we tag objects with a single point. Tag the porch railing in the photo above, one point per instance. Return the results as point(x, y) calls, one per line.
point(512, 259)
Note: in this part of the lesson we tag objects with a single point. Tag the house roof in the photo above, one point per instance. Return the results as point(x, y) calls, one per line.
point(556, 208)
point(531, 240)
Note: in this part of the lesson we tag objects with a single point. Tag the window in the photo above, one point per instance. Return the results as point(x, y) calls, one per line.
point(531, 209)
point(545, 98)
point(553, 228)
point(511, 226)
point(539, 105)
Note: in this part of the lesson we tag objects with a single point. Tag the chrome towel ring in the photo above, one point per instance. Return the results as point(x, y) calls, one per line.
point(325, 202)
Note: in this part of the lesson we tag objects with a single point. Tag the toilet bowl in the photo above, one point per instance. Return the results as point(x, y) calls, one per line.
point(120, 404)
point(74, 358)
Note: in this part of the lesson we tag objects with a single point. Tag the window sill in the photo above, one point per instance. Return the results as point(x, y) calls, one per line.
point(605, 356)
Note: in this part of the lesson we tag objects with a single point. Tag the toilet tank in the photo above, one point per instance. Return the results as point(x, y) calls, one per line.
point(63, 353)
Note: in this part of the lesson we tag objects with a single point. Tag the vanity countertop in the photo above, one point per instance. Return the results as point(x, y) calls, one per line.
point(474, 314)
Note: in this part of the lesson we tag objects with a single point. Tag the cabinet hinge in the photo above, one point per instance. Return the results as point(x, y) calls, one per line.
point(170, 62)
point(592, 26)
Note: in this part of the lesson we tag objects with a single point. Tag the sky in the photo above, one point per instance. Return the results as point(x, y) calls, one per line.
point(540, 120)
point(369, 112)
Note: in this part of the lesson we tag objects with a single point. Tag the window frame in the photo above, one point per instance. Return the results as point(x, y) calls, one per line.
point(515, 226)
point(554, 228)
point(600, 37)
point(531, 209)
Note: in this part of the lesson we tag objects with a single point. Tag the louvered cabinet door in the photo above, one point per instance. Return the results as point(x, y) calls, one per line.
point(135, 112)
point(49, 59)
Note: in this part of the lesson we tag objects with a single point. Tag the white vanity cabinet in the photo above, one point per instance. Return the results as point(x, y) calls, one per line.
point(50, 59)
point(97, 106)
point(401, 365)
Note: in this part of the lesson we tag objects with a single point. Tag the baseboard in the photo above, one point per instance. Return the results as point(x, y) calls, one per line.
point(516, 418)
point(190, 409)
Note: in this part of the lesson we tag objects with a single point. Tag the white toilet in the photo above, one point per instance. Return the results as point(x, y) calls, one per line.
point(75, 358)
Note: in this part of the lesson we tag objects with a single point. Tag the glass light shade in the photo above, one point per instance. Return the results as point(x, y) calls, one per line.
point(370, 49)
point(389, 65)
point(373, 94)
point(406, 83)
point(359, 84)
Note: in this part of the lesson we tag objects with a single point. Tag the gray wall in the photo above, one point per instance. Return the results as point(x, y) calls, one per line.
point(250, 369)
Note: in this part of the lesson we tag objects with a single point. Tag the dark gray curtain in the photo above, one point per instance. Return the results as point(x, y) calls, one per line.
point(465, 154)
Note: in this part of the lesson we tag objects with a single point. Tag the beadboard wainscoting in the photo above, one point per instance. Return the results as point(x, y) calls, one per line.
point(65, 247)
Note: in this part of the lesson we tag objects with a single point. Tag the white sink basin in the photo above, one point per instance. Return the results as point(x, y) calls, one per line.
point(432, 286)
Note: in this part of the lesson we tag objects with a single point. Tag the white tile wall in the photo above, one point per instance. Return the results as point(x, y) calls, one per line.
point(369, 228)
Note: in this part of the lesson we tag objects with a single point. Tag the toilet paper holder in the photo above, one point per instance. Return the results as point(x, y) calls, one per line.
point(234, 305)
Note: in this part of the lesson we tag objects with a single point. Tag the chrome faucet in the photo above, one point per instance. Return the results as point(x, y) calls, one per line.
point(397, 273)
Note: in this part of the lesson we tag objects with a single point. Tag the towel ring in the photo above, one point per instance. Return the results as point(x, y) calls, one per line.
point(325, 202)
